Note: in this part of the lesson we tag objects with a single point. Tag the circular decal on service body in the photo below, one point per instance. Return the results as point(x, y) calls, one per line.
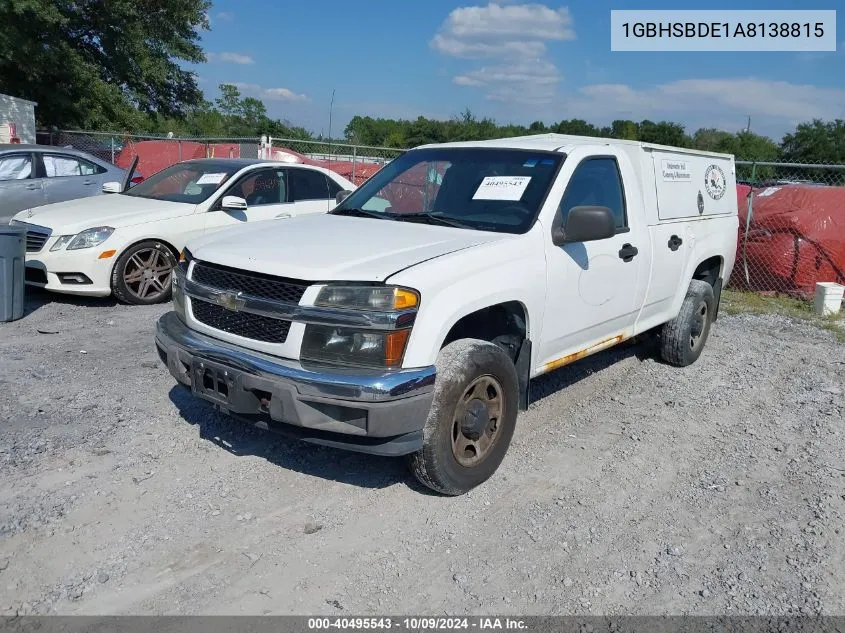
point(714, 182)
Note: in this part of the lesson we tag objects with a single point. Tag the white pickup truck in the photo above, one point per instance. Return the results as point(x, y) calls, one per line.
point(410, 319)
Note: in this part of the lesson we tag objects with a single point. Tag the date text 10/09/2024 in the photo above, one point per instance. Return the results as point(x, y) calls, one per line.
point(417, 624)
point(724, 29)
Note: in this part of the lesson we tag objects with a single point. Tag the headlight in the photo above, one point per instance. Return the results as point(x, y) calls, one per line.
point(90, 237)
point(377, 298)
point(185, 258)
point(361, 348)
point(61, 242)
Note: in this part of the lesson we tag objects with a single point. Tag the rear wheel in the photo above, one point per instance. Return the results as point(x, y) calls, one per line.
point(682, 339)
point(141, 275)
point(472, 418)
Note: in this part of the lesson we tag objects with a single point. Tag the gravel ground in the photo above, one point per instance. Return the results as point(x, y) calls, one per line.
point(631, 488)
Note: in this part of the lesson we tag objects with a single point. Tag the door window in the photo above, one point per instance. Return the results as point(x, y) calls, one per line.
point(17, 167)
point(263, 186)
point(307, 184)
point(334, 188)
point(58, 166)
point(596, 182)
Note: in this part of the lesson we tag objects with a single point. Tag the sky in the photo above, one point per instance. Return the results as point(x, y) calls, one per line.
point(515, 62)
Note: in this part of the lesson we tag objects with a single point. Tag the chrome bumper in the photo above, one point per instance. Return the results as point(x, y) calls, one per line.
point(380, 412)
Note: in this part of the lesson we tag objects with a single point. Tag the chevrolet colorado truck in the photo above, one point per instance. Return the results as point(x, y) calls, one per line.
point(410, 319)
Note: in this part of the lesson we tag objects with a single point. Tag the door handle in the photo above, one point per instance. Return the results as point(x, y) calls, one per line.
point(33, 187)
point(628, 252)
point(675, 243)
point(87, 182)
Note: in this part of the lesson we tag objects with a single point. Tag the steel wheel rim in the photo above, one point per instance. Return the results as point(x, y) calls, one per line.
point(147, 273)
point(477, 422)
point(699, 324)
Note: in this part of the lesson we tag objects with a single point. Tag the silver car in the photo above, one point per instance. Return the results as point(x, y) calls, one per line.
point(34, 175)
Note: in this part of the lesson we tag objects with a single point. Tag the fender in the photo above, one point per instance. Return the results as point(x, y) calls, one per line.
point(464, 282)
point(712, 243)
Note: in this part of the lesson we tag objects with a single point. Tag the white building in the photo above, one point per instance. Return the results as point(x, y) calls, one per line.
point(17, 119)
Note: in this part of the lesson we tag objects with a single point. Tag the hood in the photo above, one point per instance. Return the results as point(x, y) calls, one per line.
point(110, 209)
point(323, 247)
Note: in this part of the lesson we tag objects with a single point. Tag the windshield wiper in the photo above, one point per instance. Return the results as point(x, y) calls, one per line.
point(361, 213)
point(434, 218)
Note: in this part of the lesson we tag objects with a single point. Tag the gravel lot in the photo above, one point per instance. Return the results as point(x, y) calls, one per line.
point(632, 487)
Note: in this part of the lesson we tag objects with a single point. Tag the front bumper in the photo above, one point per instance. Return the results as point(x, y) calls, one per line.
point(83, 261)
point(379, 412)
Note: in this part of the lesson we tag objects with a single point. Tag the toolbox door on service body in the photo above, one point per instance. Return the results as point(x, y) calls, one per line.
point(688, 188)
point(693, 185)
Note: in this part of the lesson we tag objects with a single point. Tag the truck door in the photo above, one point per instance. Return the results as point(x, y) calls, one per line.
point(595, 289)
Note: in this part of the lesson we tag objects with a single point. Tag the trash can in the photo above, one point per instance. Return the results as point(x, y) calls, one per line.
point(12, 262)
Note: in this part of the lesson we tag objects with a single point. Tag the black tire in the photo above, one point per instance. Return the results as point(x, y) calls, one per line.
point(161, 262)
point(683, 338)
point(464, 367)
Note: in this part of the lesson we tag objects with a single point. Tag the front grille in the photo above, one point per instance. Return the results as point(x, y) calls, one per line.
point(254, 326)
point(36, 236)
point(249, 283)
point(35, 241)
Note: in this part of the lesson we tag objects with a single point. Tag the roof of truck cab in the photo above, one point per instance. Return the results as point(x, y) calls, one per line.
point(561, 142)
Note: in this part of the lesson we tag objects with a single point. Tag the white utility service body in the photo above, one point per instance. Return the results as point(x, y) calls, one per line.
point(674, 238)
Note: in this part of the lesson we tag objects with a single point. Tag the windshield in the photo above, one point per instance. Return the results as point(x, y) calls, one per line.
point(479, 188)
point(191, 183)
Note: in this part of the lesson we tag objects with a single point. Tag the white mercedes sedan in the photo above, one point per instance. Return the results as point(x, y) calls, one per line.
point(127, 243)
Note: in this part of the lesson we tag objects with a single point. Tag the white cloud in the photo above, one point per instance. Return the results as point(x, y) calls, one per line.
point(773, 99)
point(513, 38)
point(231, 58)
point(518, 83)
point(518, 22)
point(273, 94)
point(467, 49)
point(774, 106)
point(283, 94)
point(225, 16)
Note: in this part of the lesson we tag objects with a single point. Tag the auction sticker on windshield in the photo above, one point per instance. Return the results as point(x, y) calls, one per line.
point(502, 188)
point(211, 179)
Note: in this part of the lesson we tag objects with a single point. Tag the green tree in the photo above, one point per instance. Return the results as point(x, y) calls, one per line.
point(710, 139)
point(98, 64)
point(623, 129)
point(577, 127)
point(663, 133)
point(816, 142)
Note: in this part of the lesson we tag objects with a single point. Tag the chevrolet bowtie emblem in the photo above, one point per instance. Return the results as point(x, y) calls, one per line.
point(230, 300)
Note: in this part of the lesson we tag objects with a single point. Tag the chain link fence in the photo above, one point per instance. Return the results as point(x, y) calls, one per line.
point(792, 227)
point(792, 215)
point(354, 162)
point(154, 152)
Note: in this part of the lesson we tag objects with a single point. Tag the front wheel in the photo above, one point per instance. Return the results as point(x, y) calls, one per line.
point(682, 339)
point(472, 418)
point(141, 275)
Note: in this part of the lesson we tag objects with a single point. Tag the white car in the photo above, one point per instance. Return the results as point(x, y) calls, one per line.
point(415, 328)
point(128, 243)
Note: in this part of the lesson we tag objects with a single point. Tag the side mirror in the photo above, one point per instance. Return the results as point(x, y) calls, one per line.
point(341, 196)
point(233, 203)
point(585, 224)
point(112, 187)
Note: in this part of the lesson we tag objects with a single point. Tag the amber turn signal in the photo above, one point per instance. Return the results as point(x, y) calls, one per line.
point(404, 299)
point(107, 254)
point(394, 347)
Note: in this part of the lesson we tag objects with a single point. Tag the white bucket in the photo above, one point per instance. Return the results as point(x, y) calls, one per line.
point(828, 298)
